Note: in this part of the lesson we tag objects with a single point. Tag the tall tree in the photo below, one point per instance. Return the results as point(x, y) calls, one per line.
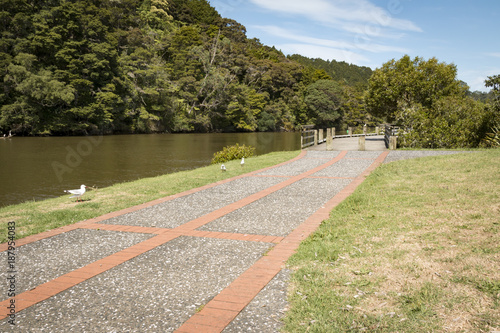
point(324, 99)
point(400, 85)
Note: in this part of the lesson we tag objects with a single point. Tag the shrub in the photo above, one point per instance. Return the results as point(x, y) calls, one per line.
point(233, 152)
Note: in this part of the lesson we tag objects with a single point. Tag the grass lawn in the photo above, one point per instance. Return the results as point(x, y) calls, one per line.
point(415, 249)
point(35, 217)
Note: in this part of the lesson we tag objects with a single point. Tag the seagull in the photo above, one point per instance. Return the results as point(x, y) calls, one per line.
point(77, 193)
point(242, 162)
point(223, 167)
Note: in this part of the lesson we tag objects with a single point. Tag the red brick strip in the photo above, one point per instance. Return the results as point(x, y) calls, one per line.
point(198, 222)
point(224, 307)
point(85, 223)
point(218, 313)
point(55, 286)
point(71, 279)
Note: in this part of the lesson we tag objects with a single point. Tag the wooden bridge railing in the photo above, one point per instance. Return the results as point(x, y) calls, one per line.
point(391, 136)
point(310, 137)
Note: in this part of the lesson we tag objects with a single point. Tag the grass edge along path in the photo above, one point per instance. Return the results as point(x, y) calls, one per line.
point(414, 249)
point(35, 217)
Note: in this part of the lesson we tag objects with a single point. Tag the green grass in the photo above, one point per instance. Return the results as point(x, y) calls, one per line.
point(414, 249)
point(35, 217)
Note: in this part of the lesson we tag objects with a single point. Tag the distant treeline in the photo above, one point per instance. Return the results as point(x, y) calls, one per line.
point(144, 66)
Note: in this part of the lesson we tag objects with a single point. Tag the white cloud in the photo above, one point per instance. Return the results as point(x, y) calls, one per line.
point(323, 52)
point(493, 54)
point(358, 44)
point(475, 78)
point(342, 14)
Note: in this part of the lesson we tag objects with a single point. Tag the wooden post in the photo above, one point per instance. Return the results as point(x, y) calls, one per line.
point(320, 136)
point(302, 140)
point(377, 129)
point(361, 143)
point(315, 137)
point(333, 133)
point(350, 131)
point(329, 139)
point(393, 142)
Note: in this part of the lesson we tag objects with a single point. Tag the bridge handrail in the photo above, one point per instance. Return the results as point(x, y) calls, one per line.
point(309, 136)
point(389, 131)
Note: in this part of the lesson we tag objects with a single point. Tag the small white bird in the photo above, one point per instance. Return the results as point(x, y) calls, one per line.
point(223, 167)
point(77, 193)
point(242, 162)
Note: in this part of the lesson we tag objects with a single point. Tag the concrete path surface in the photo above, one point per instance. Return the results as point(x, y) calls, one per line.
point(372, 143)
point(210, 259)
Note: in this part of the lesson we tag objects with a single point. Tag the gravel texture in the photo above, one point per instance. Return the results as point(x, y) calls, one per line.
point(363, 154)
point(294, 168)
point(178, 211)
point(280, 212)
point(322, 154)
point(263, 314)
point(160, 289)
point(42, 261)
point(154, 292)
point(345, 168)
point(397, 155)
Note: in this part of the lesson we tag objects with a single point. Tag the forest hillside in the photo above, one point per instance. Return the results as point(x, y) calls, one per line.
point(146, 66)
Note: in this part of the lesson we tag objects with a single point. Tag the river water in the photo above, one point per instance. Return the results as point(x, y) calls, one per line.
point(36, 168)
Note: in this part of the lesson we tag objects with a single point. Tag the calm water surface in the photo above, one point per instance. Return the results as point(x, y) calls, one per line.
point(41, 168)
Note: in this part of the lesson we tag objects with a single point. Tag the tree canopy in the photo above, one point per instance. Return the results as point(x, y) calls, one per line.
point(404, 83)
point(142, 66)
point(425, 98)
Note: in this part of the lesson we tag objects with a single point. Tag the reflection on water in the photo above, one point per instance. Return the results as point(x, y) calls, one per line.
point(39, 168)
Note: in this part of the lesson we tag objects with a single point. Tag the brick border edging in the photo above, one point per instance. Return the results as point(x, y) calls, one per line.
point(80, 224)
point(218, 313)
point(162, 235)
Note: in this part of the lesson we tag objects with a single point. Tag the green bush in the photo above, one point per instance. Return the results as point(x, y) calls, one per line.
point(233, 152)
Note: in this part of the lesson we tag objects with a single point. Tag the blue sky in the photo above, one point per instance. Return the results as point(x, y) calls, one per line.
point(372, 32)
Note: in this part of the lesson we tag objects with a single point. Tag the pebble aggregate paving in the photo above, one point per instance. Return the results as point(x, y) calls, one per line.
point(175, 212)
point(294, 168)
point(154, 292)
point(345, 168)
point(279, 213)
point(204, 272)
point(49, 258)
point(264, 312)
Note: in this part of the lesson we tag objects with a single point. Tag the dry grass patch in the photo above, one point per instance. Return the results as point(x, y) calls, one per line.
point(414, 249)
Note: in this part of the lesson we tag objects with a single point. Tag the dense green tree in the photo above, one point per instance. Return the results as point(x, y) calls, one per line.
point(400, 85)
point(354, 110)
point(452, 122)
point(493, 82)
point(324, 99)
point(429, 103)
point(339, 71)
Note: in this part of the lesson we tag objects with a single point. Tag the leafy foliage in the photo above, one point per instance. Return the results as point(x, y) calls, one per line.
point(429, 103)
point(404, 83)
point(233, 152)
point(340, 71)
point(324, 101)
point(492, 139)
point(142, 66)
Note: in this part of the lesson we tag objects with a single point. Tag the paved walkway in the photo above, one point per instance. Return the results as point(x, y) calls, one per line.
point(205, 260)
point(372, 143)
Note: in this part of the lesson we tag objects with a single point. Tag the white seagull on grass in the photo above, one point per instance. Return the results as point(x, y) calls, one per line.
point(77, 193)
point(223, 167)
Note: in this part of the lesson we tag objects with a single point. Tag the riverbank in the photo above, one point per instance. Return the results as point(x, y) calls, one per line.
point(38, 216)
